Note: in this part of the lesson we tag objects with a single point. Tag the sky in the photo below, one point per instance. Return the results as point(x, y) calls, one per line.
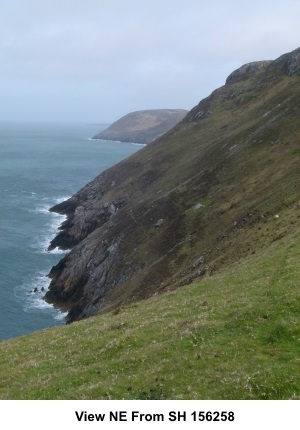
point(93, 61)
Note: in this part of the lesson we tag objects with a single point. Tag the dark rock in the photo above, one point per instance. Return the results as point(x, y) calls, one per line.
point(191, 278)
point(293, 63)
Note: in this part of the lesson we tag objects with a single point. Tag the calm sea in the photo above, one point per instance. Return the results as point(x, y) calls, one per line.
point(40, 165)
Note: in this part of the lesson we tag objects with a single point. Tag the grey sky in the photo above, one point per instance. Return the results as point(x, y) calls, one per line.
point(96, 60)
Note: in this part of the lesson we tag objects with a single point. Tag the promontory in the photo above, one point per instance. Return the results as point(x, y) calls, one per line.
point(143, 126)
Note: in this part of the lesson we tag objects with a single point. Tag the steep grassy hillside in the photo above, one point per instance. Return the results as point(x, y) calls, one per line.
point(219, 187)
point(234, 335)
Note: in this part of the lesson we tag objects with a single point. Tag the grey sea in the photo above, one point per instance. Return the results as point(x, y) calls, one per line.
point(40, 165)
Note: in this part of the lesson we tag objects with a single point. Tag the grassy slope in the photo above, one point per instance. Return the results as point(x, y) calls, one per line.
point(249, 167)
point(241, 163)
point(234, 335)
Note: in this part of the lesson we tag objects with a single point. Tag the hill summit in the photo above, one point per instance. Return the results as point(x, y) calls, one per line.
point(142, 126)
point(217, 188)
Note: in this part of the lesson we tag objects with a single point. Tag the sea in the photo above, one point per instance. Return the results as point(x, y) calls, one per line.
point(40, 165)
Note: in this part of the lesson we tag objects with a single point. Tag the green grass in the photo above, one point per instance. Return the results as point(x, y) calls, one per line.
point(234, 335)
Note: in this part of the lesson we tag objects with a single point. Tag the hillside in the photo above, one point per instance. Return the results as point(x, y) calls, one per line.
point(203, 225)
point(234, 335)
point(215, 189)
point(142, 126)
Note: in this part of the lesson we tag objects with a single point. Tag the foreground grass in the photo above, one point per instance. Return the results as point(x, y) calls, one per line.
point(235, 335)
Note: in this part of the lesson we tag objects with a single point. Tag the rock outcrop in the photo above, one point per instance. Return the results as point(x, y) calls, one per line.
point(202, 196)
point(142, 126)
point(246, 71)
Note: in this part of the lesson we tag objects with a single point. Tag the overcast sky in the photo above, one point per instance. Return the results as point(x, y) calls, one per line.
point(96, 60)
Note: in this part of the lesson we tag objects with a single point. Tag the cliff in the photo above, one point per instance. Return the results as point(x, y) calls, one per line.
point(220, 186)
point(142, 126)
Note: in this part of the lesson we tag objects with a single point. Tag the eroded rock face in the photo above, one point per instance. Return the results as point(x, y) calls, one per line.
point(81, 280)
point(292, 62)
point(83, 218)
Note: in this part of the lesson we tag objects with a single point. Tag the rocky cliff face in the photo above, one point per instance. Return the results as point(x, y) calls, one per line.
point(222, 184)
point(142, 126)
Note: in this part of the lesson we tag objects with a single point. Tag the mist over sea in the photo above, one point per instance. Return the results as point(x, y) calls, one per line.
point(40, 165)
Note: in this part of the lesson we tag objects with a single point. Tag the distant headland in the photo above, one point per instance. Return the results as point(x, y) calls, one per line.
point(142, 126)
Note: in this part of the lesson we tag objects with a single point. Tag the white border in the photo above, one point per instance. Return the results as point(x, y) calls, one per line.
point(60, 415)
